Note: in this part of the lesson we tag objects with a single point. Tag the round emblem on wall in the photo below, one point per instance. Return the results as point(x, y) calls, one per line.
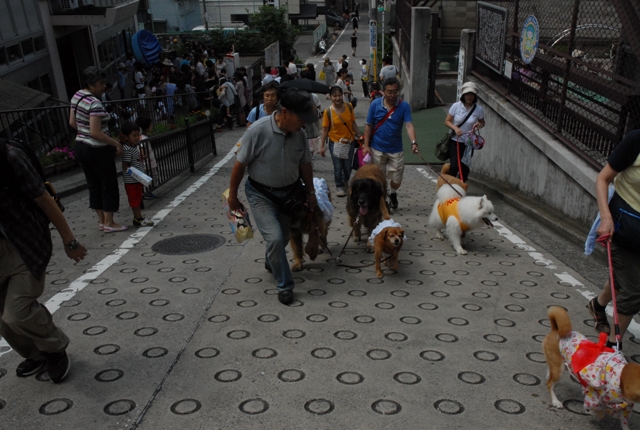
point(529, 37)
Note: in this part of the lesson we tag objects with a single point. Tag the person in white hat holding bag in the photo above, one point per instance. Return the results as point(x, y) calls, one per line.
point(462, 118)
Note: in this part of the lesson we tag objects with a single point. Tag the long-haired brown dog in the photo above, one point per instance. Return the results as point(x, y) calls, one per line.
point(389, 241)
point(444, 174)
point(366, 199)
point(313, 225)
point(610, 384)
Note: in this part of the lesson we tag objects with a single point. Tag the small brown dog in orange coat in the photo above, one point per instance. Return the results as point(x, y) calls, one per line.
point(387, 238)
point(450, 179)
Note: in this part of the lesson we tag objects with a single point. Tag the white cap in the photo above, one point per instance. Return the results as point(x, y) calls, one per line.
point(469, 87)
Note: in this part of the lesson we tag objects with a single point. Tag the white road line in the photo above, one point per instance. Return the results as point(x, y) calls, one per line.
point(53, 304)
point(634, 327)
point(336, 42)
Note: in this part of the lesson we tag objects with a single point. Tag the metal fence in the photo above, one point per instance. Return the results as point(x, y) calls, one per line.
point(176, 151)
point(583, 84)
point(45, 128)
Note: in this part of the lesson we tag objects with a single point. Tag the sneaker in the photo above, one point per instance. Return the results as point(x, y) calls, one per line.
point(285, 297)
point(601, 324)
point(144, 222)
point(341, 193)
point(59, 365)
point(29, 367)
point(150, 196)
point(394, 200)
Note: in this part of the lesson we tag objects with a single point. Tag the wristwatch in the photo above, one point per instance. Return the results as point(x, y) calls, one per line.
point(73, 245)
point(414, 142)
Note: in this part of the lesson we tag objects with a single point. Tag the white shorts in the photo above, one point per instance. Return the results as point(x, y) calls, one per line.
point(391, 164)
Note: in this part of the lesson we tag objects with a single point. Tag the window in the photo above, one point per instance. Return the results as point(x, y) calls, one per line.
point(47, 86)
point(14, 53)
point(27, 47)
point(40, 43)
point(35, 84)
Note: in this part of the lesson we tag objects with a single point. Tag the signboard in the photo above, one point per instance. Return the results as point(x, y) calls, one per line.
point(491, 33)
point(373, 46)
point(373, 34)
point(529, 37)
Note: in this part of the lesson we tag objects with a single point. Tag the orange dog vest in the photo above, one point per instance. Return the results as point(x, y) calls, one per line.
point(448, 209)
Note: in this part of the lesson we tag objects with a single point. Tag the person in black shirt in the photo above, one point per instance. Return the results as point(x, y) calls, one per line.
point(26, 209)
point(620, 218)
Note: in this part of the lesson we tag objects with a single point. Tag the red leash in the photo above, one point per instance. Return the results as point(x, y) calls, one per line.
point(459, 162)
point(604, 240)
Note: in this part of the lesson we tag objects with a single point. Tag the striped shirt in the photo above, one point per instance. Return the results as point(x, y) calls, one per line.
point(85, 108)
point(131, 156)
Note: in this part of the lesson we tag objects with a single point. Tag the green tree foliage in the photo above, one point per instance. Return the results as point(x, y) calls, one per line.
point(271, 23)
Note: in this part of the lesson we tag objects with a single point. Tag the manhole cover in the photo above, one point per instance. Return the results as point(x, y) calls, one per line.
point(188, 244)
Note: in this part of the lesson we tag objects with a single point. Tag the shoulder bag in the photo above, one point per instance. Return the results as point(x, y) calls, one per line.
point(341, 149)
point(442, 148)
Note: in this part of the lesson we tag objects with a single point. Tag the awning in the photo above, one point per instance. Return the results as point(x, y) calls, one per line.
point(14, 96)
point(307, 11)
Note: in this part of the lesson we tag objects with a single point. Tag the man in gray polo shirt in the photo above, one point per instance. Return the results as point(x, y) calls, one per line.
point(276, 154)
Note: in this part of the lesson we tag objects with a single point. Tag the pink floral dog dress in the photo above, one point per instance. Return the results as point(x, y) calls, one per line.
point(602, 392)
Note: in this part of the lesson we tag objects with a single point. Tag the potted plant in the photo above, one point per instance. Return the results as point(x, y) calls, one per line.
point(58, 160)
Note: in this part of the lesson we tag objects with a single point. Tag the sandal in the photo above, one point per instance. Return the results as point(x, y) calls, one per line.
point(115, 229)
point(100, 227)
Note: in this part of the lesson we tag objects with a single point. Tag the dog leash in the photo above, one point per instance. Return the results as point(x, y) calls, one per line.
point(370, 264)
point(604, 240)
point(348, 237)
point(438, 173)
point(324, 242)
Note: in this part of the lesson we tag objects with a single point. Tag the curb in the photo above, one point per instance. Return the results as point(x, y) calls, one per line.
point(550, 218)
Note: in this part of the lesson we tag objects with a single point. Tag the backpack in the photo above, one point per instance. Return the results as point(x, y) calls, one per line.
point(35, 163)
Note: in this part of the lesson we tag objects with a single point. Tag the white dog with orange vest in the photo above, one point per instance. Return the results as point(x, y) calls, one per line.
point(454, 215)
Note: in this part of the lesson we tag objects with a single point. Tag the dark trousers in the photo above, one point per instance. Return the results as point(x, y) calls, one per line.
point(25, 323)
point(455, 168)
point(99, 169)
point(365, 88)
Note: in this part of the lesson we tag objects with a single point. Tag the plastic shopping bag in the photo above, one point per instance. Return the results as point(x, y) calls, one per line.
point(140, 176)
point(238, 220)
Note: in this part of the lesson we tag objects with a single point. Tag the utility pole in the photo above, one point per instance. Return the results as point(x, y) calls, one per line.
point(204, 11)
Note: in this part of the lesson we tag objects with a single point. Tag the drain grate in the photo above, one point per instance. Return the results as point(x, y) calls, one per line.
point(188, 244)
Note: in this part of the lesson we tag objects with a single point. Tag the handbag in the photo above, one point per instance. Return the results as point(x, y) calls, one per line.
point(322, 76)
point(342, 148)
point(442, 147)
point(358, 155)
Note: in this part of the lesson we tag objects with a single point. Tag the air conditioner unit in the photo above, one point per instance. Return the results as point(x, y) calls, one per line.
point(69, 4)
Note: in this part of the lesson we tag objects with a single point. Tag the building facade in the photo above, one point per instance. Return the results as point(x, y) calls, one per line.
point(45, 44)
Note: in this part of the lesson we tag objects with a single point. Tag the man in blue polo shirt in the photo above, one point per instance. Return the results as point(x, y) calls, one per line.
point(383, 135)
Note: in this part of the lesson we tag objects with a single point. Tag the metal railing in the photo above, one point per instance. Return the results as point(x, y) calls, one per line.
point(583, 84)
point(176, 151)
point(45, 128)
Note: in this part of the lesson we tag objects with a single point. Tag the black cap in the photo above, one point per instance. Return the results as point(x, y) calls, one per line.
point(301, 103)
point(344, 56)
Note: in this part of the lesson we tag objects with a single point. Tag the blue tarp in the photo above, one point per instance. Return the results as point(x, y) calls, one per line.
point(146, 47)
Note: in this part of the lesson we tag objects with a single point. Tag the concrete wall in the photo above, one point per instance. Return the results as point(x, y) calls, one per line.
point(521, 154)
point(180, 15)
